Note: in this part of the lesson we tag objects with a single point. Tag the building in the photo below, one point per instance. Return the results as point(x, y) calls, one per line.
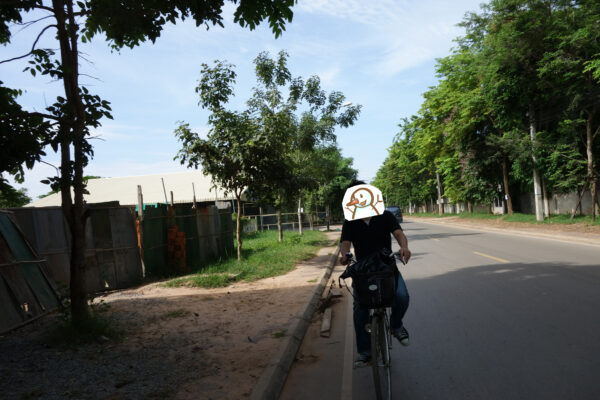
point(157, 188)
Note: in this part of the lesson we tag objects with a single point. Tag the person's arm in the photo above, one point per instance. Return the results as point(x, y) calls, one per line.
point(403, 243)
point(344, 248)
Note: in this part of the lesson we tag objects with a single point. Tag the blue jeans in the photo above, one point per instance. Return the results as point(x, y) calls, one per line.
point(361, 316)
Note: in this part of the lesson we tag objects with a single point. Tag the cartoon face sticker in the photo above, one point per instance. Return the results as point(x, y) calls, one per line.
point(362, 201)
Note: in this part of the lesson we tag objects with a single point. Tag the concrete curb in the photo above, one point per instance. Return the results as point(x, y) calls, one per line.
point(272, 379)
point(551, 236)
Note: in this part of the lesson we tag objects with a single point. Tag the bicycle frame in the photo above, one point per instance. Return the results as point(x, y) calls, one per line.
point(381, 346)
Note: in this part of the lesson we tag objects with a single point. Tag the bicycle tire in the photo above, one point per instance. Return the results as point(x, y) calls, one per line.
point(381, 362)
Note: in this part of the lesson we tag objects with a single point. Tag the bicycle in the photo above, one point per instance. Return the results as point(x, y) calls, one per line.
point(381, 339)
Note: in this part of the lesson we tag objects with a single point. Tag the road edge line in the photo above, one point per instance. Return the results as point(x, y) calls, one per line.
point(273, 378)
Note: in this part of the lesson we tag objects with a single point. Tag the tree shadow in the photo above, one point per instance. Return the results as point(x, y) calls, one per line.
point(514, 330)
point(194, 344)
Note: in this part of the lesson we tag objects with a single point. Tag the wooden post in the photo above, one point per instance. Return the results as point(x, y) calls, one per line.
point(140, 202)
point(194, 192)
point(262, 222)
point(164, 190)
point(140, 228)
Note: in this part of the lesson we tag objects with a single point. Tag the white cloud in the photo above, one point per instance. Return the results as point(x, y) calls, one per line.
point(398, 35)
point(329, 75)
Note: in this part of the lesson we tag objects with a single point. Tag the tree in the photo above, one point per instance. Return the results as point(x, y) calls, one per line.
point(303, 134)
point(123, 23)
point(573, 67)
point(11, 197)
point(332, 173)
point(236, 153)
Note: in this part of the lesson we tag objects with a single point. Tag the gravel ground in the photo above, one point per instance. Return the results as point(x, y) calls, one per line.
point(177, 343)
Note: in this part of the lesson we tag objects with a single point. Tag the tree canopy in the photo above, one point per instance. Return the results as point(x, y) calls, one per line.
point(518, 96)
point(66, 125)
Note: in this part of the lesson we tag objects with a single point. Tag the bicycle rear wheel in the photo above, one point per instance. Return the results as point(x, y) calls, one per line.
point(380, 353)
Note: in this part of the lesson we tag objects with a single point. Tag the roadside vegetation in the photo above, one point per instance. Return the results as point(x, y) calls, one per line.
point(262, 257)
point(515, 108)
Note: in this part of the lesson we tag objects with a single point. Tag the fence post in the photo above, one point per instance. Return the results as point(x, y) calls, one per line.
point(140, 228)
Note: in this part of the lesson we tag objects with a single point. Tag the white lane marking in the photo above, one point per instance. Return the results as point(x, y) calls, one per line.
point(502, 260)
point(346, 392)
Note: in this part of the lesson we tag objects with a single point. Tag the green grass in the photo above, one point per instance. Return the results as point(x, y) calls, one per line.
point(429, 214)
point(262, 257)
point(562, 219)
point(280, 334)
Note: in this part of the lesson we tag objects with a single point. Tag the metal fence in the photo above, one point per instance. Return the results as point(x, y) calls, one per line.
point(26, 292)
point(112, 254)
point(198, 235)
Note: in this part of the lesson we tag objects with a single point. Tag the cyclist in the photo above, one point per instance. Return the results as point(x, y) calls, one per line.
point(368, 235)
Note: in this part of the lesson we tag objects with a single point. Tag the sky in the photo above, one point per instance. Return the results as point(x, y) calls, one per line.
point(380, 54)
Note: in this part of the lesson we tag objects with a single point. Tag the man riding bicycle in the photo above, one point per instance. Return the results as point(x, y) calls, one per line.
point(369, 235)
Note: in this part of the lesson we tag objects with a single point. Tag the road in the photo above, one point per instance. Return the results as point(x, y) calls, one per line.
point(492, 316)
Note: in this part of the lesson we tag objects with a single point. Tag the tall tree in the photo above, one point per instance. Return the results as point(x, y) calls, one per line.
point(122, 23)
point(320, 115)
point(237, 153)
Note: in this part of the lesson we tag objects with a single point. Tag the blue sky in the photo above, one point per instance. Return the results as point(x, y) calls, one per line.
point(380, 54)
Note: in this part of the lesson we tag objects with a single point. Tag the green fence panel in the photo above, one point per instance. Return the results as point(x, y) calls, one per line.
point(18, 247)
point(154, 230)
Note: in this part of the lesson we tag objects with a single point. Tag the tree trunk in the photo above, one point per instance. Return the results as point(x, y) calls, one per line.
point(578, 204)
point(300, 216)
point(328, 216)
point(279, 224)
point(238, 227)
point(546, 201)
point(470, 207)
point(73, 170)
point(509, 205)
point(589, 144)
point(537, 187)
point(439, 193)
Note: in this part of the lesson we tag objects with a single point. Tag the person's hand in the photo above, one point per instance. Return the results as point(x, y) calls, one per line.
point(405, 254)
point(343, 259)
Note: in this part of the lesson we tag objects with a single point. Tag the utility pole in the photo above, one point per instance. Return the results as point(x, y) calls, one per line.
point(537, 184)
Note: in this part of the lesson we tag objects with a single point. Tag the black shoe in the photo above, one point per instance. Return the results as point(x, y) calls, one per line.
point(402, 336)
point(362, 360)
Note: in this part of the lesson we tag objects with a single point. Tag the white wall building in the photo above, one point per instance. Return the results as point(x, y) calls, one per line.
point(124, 189)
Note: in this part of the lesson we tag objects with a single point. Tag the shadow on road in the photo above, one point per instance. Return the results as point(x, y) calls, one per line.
point(502, 331)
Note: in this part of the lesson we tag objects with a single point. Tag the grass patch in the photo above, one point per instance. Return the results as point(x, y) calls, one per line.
point(478, 215)
point(312, 280)
point(429, 214)
point(280, 334)
point(262, 257)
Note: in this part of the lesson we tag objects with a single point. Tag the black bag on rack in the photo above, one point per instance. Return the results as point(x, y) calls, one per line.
point(374, 280)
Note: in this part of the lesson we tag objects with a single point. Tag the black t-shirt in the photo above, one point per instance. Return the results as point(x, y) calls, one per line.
point(375, 236)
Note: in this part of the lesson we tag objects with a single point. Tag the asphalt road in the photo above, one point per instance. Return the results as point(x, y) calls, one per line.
point(492, 316)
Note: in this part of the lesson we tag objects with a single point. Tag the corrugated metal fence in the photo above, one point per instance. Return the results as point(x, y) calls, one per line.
point(206, 233)
point(112, 254)
point(26, 292)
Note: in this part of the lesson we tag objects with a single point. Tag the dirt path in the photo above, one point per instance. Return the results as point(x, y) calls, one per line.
point(180, 343)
